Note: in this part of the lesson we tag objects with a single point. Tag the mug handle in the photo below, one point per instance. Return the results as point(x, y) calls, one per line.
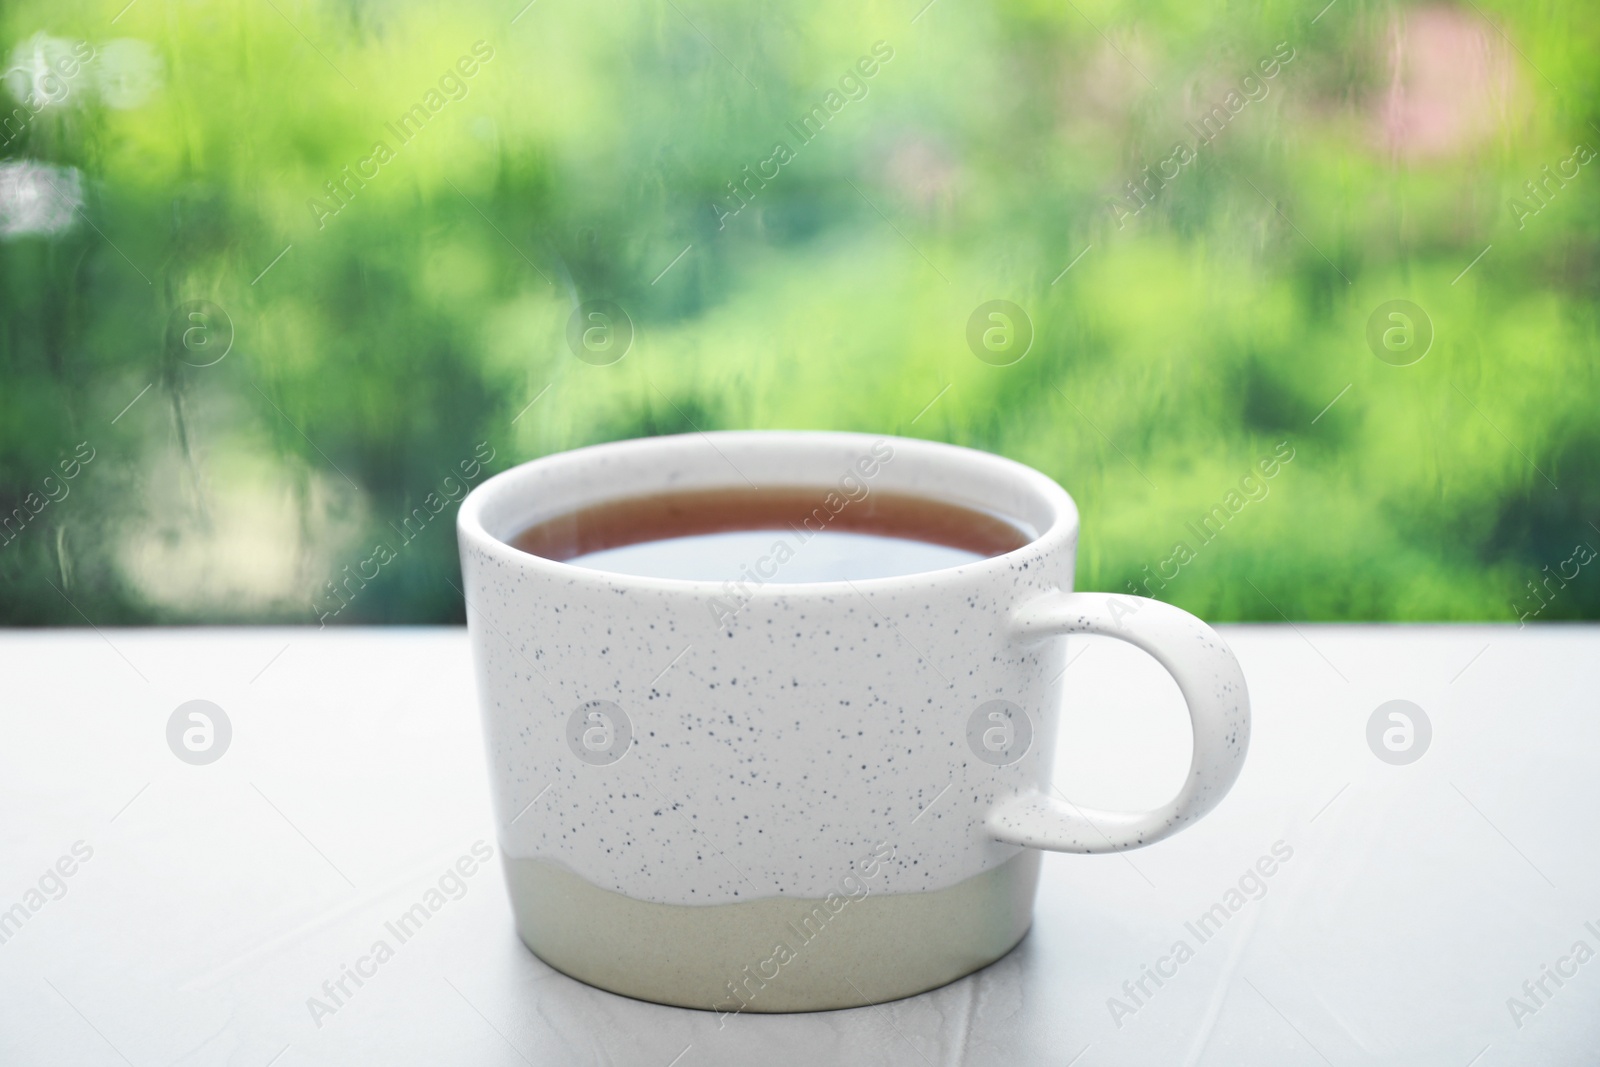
point(1212, 685)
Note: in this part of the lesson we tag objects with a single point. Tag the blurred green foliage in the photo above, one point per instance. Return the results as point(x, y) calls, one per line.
point(1212, 311)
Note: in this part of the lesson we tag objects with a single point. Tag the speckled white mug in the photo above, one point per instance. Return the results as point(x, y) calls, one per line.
point(770, 796)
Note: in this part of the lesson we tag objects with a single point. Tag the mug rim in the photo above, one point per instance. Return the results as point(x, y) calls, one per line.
point(1062, 529)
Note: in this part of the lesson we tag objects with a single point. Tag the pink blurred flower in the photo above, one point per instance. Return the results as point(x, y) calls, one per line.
point(1450, 82)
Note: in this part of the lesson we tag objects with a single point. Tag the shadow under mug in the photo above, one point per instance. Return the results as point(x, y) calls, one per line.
point(768, 796)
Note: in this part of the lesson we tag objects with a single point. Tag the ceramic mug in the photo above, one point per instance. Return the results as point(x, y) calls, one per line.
point(770, 796)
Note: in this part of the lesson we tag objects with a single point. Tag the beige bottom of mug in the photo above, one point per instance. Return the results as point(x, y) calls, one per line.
point(779, 954)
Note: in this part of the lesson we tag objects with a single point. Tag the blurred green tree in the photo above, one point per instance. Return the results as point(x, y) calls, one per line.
point(280, 268)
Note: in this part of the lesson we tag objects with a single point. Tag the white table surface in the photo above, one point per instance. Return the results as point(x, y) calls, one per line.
point(219, 898)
